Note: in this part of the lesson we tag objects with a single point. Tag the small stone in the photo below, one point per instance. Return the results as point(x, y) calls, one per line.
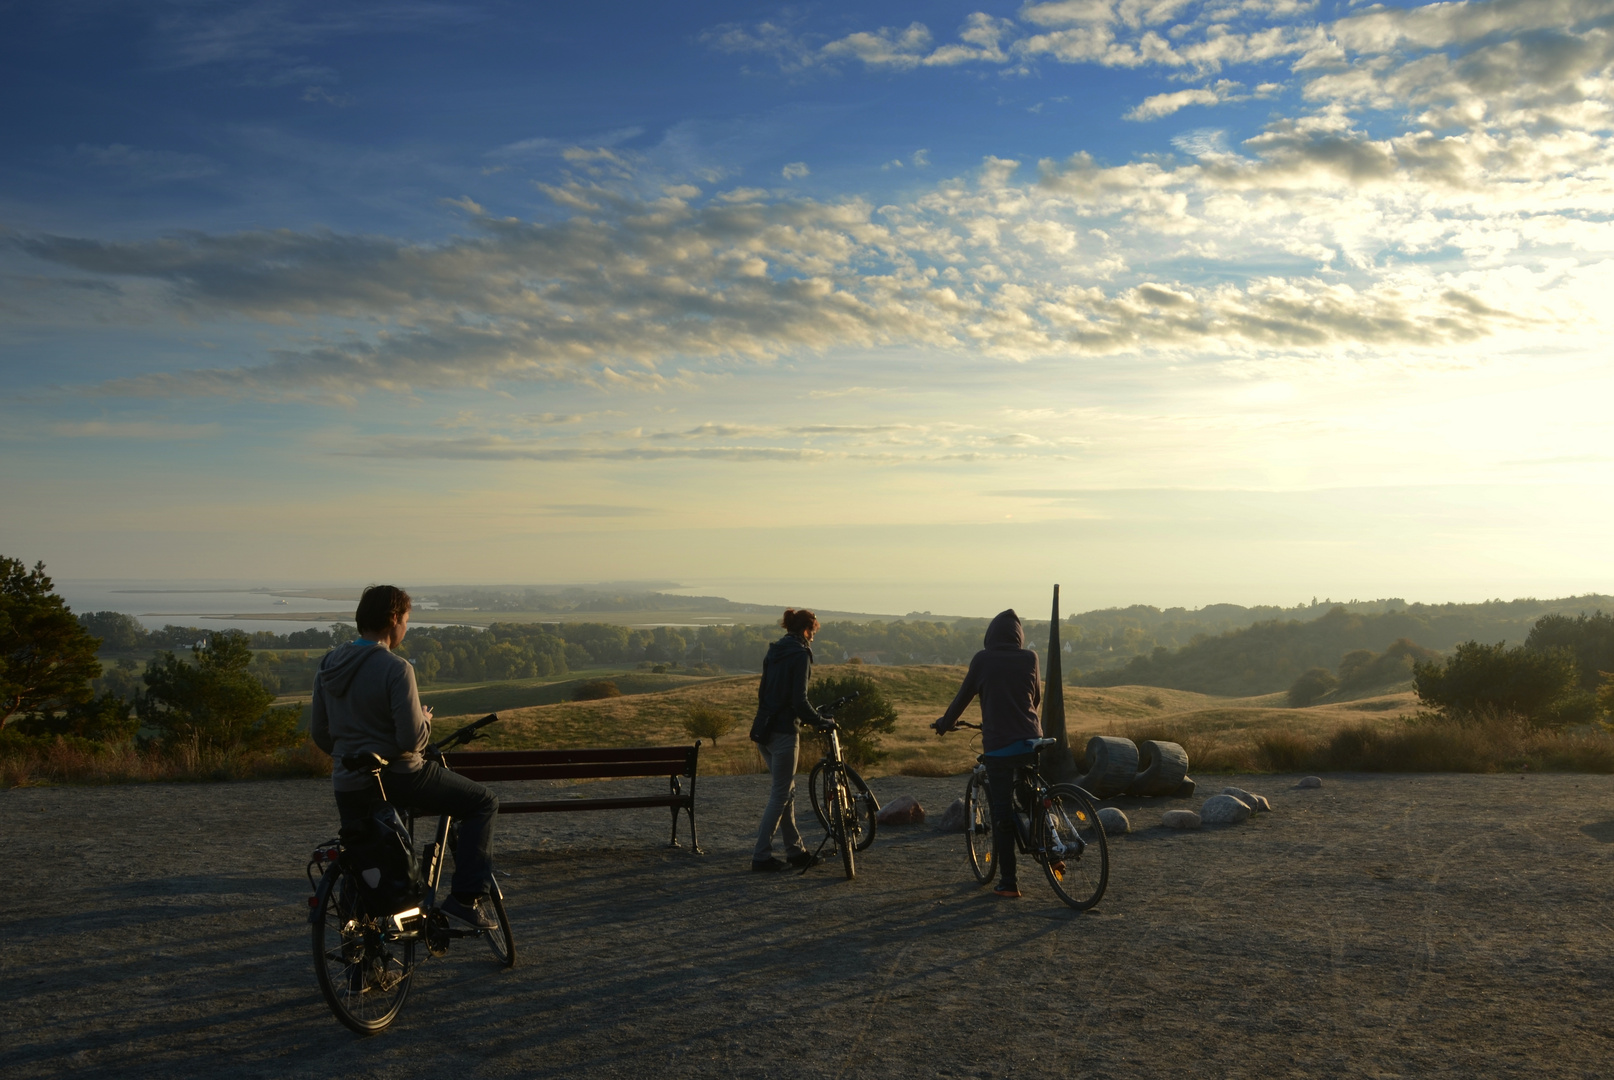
point(1185, 789)
point(1254, 802)
point(1180, 819)
point(1114, 822)
point(953, 819)
point(903, 810)
point(1224, 810)
point(1310, 782)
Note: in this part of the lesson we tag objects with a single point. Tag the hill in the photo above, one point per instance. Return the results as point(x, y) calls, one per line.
point(1219, 733)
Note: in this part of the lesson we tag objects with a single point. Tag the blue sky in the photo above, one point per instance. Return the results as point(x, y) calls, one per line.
point(896, 305)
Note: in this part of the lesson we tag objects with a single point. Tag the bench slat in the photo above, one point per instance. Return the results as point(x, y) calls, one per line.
point(570, 772)
point(470, 758)
point(567, 805)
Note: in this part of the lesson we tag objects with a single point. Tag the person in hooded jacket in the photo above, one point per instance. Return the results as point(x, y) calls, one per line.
point(1006, 676)
point(366, 701)
point(781, 704)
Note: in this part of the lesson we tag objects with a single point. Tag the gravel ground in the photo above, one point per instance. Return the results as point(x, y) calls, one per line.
point(1379, 926)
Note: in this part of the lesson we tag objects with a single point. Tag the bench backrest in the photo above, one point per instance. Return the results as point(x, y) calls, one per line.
point(488, 765)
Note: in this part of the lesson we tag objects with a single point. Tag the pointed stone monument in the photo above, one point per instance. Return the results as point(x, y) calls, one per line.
point(1061, 762)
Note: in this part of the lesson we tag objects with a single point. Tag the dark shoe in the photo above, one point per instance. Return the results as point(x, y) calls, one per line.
point(802, 860)
point(478, 915)
point(770, 865)
point(1008, 892)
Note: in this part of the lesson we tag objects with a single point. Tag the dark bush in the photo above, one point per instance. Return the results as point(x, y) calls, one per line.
point(1310, 686)
point(596, 690)
point(1487, 680)
point(862, 722)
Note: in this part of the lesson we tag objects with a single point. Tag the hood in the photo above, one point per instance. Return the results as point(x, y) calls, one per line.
point(787, 646)
point(341, 664)
point(1005, 631)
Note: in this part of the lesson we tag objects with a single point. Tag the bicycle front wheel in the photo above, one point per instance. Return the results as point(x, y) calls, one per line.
point(865, 807)
point(1070, 844)
point(978, 829)
point(501, 940)
point(362, 973)
point(843, 818)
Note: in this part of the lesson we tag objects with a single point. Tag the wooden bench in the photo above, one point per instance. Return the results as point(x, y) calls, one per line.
point(676, 763)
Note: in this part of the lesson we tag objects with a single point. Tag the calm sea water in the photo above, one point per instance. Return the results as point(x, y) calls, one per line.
point(199, 603)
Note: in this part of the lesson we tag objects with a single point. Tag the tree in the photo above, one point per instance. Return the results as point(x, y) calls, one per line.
point(46, 658)
point(118, 632)
point(862, 721)
point(215, 702)
point(1541, 686)
point(1589, 637)
point(1312, 685)
point(707, 722)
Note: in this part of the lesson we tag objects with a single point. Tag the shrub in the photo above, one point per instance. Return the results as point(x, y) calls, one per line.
point(596, 690)
point(706, 722)
point(215, 703)
point(1311, 686)
point(862, 722)
point(1543, 687)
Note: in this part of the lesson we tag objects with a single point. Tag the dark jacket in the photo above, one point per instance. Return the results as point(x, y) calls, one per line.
point(1006, 675)
point(365, 700)
point(782, 694)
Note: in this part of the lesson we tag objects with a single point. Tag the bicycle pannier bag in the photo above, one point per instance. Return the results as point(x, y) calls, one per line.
point(386, 863)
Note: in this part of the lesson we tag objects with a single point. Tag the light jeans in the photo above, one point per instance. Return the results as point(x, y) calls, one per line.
point(779, 753)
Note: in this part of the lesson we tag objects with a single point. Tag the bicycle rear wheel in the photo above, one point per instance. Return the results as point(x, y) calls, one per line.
point(1070, 844)
point(978, 829)
point(501, 940)
point(363, 975)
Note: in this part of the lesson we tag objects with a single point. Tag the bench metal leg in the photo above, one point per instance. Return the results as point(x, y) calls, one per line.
point(694, 840)
point(674, 841)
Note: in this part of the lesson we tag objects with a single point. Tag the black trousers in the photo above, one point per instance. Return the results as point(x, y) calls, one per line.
point(430, 792)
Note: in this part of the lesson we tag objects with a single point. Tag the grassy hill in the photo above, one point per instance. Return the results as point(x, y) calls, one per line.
point(1219, 733)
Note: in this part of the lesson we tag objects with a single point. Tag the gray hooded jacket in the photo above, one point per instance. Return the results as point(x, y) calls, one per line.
point(365, 700)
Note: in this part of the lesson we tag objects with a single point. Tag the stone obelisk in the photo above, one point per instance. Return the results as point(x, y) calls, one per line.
point(1062, 762)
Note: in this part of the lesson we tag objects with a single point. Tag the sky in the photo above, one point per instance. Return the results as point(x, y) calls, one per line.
point(876, 306)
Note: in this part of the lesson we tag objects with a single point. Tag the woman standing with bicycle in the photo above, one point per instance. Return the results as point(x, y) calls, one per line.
point(781, 704)
point(1008, 679)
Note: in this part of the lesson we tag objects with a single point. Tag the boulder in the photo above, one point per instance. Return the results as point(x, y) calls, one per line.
point(1310, 782)
point(953, 819)
point(903, 810)
point(1180, 819)
point(1224, 810)
point(1254, 802)
point(1114, 822)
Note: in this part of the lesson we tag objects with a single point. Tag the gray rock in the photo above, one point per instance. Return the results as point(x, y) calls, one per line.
point(1114, 822)
point(903, 810)
point(1184, 789)
point(953, 819)
point(1180, 819)
point(1310, 782)
point(1254, 802)
point(1224, 810)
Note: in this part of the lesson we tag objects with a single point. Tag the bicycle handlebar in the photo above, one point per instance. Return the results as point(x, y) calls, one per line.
point(827, 711)
point(466, 733)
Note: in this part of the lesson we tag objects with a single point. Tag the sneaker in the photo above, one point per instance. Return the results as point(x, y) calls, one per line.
point(804, 859)
point(770, 865)
point(477, 915)
point(1008, 892)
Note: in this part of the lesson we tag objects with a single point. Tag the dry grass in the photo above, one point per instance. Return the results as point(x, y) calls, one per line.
point(79, 761)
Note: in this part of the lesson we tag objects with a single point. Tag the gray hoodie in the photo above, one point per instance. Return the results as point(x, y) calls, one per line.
point(365, 701)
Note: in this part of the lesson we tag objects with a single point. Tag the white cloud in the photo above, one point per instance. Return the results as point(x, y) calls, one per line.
point(795, 170)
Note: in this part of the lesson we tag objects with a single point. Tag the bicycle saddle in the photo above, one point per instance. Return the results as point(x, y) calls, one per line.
point(1038, 744)
point(371, 762)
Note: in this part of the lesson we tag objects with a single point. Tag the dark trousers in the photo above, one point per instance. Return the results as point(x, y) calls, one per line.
point(430, 792)
point(1000, 796)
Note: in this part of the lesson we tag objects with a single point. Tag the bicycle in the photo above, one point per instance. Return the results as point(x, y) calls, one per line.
point(364, 959)
point(845, 806)
point(1055, 824)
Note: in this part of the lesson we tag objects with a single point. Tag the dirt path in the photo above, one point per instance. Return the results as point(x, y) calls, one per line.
point(1382, 926)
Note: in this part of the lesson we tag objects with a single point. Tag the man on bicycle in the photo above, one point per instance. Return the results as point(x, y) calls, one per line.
point(1006, 676)
point(365, 701)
